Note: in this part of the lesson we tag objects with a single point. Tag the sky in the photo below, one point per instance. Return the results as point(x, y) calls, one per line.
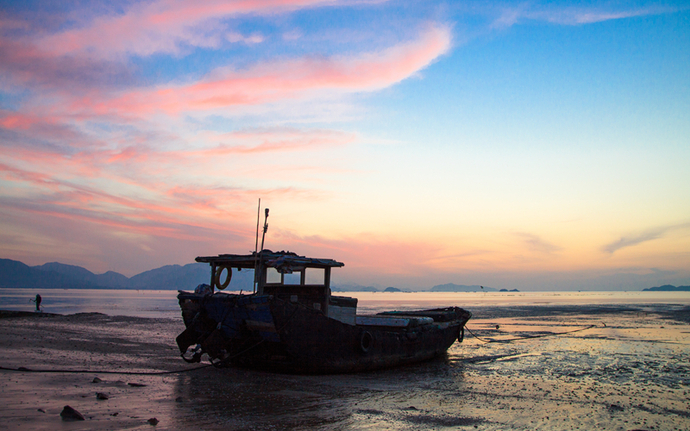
point(529, 145)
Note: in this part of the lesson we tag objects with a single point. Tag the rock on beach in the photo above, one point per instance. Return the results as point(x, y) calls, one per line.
point(70, 414)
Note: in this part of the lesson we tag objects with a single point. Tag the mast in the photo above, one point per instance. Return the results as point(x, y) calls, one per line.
point(258, 265)
point(265, 229)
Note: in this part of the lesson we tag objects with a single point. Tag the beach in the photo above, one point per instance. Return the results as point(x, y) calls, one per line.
point(614, 367)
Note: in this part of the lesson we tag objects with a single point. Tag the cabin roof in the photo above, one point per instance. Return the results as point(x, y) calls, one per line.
point(280, 260)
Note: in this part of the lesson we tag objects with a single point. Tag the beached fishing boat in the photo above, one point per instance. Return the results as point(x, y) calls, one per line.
point(292, 323)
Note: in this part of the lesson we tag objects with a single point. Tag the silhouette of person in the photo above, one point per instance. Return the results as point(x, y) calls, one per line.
point(38, 302)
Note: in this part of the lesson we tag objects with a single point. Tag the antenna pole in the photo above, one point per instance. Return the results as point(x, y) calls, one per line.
point(265, 229)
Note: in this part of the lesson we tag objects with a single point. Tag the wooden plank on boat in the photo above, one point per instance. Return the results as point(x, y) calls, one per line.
point(398, 322)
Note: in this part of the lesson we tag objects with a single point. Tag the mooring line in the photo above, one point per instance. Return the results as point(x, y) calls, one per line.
point(528, 337)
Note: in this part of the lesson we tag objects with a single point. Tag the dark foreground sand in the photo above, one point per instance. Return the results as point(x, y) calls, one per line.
point(630, 372)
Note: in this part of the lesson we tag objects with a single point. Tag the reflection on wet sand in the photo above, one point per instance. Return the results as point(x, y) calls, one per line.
point(630, 371)
point(246, 399)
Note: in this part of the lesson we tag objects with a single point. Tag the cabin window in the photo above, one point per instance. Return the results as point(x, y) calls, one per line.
point(272, 276)
point(315, 276)
point(293, 278)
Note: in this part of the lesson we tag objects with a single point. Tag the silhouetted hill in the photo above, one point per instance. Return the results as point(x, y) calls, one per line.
point(83, 278)
point(17, 274)
point(14, 273)
point(669, 288)
point(58, 276)
point(173, 277)
point(450, 287)
point(113, 279)
point(187, 277)
point(73, 271)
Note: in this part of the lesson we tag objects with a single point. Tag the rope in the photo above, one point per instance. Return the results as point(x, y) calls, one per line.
point(528, 337)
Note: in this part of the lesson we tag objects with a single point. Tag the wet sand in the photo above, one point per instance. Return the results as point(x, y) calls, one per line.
point(631, 371)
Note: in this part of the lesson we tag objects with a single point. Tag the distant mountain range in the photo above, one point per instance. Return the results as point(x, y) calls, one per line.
point(669, 288)
point(58, 275)
point(177, 277)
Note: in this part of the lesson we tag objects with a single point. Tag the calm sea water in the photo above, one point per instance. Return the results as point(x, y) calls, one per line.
point(163, 303)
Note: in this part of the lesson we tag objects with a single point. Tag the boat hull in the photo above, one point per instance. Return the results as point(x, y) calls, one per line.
point(273, 333)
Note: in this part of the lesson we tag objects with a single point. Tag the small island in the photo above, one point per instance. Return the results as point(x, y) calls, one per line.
point(668, 288)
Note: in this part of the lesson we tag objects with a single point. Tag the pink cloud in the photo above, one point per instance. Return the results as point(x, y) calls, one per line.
point(17, 121)
point(280, 80)
point(170, 205)
point(140, 164)
point(36, 178)
point(248, 141)
point(212, 201)
point(271, 140)
point(35, 125)
point(59, 198)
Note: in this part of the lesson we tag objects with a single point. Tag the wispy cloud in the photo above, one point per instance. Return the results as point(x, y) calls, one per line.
point(26, 65)
point(366, 253)
point(164, 211)
point(512, 15)
point(639, 238)
point(167, 26)
point(136, 179)
point(273, 81)
point(535, 243)
point(271, 140)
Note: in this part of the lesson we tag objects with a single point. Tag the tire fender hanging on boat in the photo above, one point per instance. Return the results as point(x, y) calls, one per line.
point(461, 334)
point(219, 271)
point(366, 340)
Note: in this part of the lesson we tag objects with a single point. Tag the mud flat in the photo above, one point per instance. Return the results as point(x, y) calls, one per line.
point(629, 371)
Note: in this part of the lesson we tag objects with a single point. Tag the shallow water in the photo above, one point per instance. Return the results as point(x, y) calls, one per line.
point(163, 303)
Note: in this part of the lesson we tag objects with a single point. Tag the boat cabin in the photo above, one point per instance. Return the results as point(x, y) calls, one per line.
point(288, 276)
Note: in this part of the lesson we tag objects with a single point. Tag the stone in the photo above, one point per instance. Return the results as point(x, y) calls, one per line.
point(69, 414)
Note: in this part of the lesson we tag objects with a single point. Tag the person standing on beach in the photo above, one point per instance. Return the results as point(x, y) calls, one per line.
point(37, 301)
